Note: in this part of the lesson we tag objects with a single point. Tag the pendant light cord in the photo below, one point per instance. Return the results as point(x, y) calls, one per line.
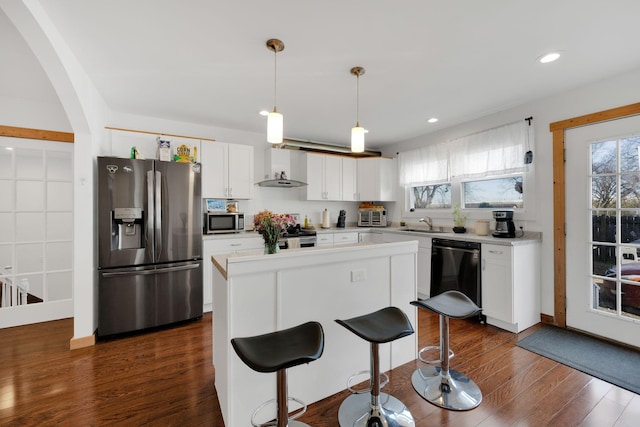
point(358, 100)
point(275, 77)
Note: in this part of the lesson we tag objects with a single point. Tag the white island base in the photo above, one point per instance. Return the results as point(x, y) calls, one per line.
point(257, 294)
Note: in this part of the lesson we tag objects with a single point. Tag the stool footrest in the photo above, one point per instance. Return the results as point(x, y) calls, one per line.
point(384, 382)
point(435, 361)
point(298, 414)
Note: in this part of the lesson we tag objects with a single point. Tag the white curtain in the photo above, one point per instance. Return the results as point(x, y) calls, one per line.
point(426, 164)
point(497, 150)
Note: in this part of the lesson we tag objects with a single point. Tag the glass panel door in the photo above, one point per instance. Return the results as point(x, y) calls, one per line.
point(603, 229)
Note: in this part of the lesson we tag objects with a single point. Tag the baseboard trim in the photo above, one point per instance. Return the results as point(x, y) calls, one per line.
point(82, 342)
point(546, 319)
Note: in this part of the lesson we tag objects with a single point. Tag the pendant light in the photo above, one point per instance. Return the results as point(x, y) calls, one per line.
point(357, 132)
point(274, 119)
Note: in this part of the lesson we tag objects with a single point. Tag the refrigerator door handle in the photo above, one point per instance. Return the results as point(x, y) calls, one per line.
point(158, 218)
point(149, 237)
point(152, 271)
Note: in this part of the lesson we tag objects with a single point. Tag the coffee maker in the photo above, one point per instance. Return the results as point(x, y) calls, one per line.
point(504, 224)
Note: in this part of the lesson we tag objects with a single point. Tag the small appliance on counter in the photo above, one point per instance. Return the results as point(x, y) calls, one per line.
point(370, 215)
point(222, 216)
point(342, 218)
point(504, 224)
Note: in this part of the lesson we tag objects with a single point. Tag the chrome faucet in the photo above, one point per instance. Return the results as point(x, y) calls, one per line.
point(427, 221)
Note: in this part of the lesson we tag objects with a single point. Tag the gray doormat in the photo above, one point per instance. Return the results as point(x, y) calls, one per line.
point(609, 362)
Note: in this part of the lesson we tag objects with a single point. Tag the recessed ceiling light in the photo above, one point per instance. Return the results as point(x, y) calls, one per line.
point(433, 120)
point(549, 57)
point(264, 113)
point(8, 148)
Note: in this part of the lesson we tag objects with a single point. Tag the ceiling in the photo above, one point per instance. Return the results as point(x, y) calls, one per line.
point(206, 62)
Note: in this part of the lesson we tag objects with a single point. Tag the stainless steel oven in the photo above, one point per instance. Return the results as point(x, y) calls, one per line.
point(302, 238)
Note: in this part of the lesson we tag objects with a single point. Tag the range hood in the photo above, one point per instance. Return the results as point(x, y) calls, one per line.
point(277, 169)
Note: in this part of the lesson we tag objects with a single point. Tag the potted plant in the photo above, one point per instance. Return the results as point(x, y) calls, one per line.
point(459, 219)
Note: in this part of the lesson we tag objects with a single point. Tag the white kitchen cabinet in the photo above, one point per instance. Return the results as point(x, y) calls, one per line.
point(424, 259)
point(323, 175)
point(324, 239)
point(369, 237)
point(227, 170)
point(510, 285)
point(345, 238)
point(213, 246)
point(376, 179)
point(349, 179)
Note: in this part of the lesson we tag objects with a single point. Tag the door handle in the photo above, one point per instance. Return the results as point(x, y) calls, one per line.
point(150, 217)
point(158, 226)
point(148, 272)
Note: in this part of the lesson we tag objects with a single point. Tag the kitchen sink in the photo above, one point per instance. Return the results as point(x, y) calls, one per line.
point(422, 230)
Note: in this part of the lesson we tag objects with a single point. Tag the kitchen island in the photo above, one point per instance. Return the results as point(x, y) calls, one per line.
point(255, 294)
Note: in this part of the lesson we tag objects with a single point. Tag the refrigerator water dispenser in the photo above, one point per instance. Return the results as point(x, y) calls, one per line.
point(127, 228)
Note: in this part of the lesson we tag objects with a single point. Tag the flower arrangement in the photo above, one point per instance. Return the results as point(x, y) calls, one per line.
point(271, 226)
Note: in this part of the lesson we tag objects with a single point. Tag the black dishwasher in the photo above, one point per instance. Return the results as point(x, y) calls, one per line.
point(455, 265)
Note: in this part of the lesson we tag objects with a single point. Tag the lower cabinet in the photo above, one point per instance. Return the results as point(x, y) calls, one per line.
point(336, 239)
point(424, 259)
point(510, 285)
point(222, 246)
point(345, 238)
point(324, 239)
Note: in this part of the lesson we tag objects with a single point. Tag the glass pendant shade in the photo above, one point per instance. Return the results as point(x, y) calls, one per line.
point(357, 139)
point(274, 127)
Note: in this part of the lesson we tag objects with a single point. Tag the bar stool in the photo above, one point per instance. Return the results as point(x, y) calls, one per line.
point(275, 352)
point(442, 386)
point(370, 407)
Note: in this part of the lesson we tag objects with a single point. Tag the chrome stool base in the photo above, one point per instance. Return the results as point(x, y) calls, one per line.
point(357, 411)
point(458, 392)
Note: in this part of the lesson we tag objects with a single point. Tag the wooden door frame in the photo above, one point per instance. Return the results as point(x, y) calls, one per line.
point(45, 135)
point(559, 209)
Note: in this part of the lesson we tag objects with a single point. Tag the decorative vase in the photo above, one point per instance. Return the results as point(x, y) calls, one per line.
point(271, 247)
point(459, 230)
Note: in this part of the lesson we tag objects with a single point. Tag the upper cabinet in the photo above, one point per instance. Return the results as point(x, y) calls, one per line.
point(324, 177)
point(349, 179)
point(227, 170)
point(377, 179)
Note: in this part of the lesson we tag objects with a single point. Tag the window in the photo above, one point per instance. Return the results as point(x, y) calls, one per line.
point(493, 193)
point(615, 225)
point(436, 196)
point(482, 170)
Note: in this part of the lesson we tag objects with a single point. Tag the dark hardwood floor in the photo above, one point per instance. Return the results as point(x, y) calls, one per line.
point(165, 378)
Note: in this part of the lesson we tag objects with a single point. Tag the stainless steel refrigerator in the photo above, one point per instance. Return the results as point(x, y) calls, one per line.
point(149, 244)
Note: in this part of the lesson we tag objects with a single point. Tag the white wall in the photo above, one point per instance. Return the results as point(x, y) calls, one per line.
point(275, 199)
point(87, 115)
point(606, 94)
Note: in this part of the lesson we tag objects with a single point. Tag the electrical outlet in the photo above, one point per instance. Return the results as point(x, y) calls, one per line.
point(358, 275)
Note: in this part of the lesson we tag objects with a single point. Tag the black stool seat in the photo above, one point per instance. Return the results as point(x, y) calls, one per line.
point(453, 304)
point(281, 349)
point(370, 407)
point(382, 326)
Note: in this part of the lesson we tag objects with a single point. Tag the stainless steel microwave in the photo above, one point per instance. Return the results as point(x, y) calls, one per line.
point(223, 222)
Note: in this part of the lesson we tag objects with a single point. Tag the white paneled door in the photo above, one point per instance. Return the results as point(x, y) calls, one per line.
point(36, 231)
point(603, 229)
